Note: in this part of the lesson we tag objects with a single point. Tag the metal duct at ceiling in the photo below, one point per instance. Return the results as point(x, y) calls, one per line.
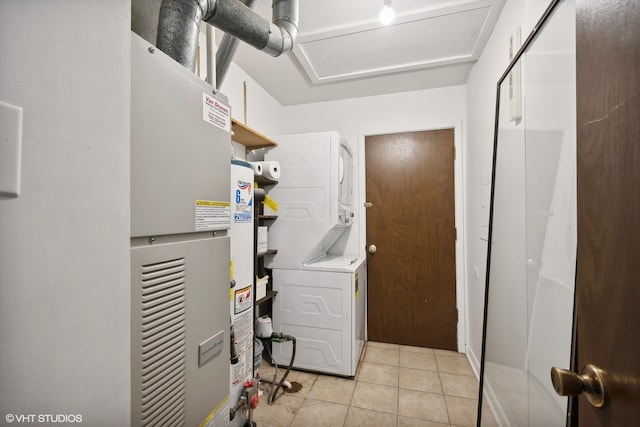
point(180, 20)
point(226, 50)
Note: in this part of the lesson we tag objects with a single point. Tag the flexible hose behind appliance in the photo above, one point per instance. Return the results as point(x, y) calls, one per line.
point(280, 337)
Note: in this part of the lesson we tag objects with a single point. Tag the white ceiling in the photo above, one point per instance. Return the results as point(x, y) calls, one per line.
point(342, 51)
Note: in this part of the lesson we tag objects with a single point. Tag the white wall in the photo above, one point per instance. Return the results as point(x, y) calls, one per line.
point(400, 110)
point(263, 112)
point(64, 242)
point(481, 93)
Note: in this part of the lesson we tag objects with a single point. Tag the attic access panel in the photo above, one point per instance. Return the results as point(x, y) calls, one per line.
point(415, 41)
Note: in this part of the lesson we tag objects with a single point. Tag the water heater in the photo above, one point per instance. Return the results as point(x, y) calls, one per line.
point(242, 292)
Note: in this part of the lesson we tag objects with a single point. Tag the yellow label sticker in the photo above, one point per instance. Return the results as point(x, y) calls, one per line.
point(219, 415)
point(212, 203)
point(356, 284)
point(270, 203)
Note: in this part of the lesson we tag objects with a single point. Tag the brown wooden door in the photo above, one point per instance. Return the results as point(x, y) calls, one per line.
point(412, 275)
point(608, 279)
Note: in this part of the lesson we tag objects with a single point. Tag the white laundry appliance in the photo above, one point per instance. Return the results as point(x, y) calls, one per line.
point(320, 279)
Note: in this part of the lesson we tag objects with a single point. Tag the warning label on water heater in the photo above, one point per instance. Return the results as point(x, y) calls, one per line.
point(215, 112)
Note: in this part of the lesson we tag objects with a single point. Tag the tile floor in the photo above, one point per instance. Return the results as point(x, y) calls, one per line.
point(396, 386)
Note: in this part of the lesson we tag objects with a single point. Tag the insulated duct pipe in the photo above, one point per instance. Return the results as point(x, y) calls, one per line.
point(226, 50)
point(180, 20)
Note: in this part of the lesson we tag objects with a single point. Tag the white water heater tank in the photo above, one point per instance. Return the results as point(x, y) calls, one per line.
point(242, 274)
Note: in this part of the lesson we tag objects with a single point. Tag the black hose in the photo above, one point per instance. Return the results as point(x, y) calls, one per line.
point(282, 337)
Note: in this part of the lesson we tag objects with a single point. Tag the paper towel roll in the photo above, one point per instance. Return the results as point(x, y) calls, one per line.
point(257, 168)
point(271, 170)
point(262, 239)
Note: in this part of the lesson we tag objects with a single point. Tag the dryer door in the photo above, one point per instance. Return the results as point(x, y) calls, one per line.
point(345, 184)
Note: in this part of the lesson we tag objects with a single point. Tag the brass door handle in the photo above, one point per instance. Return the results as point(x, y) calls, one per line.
point(590, 382)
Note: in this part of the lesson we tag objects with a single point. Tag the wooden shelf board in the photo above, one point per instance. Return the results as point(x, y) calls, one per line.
point(248, 137)
point(268, 252)
point(267, 216)
point(270, 294)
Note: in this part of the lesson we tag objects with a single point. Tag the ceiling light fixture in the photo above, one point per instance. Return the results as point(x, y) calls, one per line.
point(387, 14)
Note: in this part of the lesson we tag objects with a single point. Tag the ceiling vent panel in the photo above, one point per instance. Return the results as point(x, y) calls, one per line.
point(447, 35)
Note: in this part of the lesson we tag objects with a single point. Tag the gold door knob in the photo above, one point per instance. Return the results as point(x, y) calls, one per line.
point(590, 382)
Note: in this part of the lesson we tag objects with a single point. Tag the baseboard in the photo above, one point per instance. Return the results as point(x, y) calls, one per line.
point(492, 402)
point(489, 396)
point(474, 361)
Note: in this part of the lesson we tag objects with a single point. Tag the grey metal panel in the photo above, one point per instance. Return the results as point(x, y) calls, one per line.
point(176, 156)
point(179, 299)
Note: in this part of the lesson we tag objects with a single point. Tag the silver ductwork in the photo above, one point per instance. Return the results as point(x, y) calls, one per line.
point(180, 20)
point(178, 29)
point(226, 50)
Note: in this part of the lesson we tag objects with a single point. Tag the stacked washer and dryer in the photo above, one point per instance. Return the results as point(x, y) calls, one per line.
point(319, 277)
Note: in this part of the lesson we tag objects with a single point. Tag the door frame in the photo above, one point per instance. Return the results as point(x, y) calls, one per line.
point(458, 172)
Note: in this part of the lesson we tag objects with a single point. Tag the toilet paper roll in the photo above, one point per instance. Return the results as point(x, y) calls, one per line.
point(257, 168)
point(264, 328)
point(271, 170)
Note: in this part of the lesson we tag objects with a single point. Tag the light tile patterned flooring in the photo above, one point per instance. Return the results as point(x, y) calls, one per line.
point(395, 386)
